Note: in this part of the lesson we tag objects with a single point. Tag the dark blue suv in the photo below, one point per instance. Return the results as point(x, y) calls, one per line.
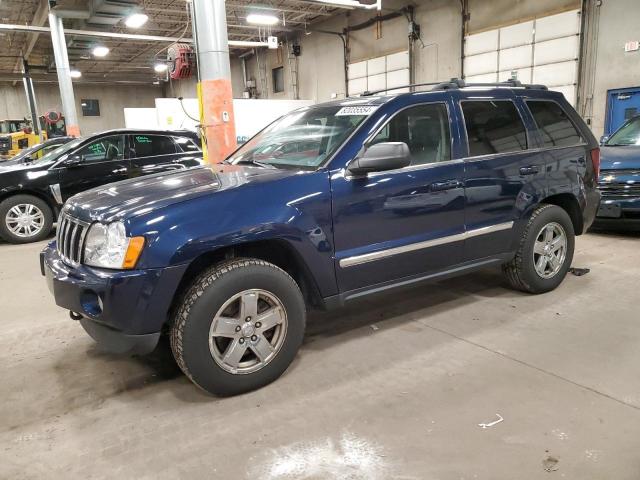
point(326, 205)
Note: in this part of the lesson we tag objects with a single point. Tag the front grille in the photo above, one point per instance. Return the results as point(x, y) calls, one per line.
point(619, 190)
point(70, 239)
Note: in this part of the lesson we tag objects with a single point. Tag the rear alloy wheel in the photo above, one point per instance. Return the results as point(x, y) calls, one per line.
point(550, 250)
point(545, 251)
point(238, 327)
point(24, 219)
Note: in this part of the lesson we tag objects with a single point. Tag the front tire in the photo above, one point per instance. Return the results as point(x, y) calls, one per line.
point(238, 327)
point(25, 219)
point(545, 251)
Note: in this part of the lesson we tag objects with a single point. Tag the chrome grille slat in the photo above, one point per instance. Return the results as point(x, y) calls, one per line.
point(70, 239)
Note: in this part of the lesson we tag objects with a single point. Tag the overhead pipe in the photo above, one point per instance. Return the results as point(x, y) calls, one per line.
point(123, 36)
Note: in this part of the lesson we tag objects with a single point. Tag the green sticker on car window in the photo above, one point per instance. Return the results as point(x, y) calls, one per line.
point(141, 139)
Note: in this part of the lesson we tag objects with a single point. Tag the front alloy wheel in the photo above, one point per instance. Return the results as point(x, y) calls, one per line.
point(248, 331)
point(239, 326)
point(24, 220)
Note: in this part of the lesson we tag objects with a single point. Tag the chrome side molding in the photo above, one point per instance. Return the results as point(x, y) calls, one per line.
point(373, 256)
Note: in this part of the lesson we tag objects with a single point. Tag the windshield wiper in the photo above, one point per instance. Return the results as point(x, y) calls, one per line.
point(251, 162)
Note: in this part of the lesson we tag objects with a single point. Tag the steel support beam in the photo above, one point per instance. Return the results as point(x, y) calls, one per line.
point(31, 98)
point(64, 75)
point(214, 79)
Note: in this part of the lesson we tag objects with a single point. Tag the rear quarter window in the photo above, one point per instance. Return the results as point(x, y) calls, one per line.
point(493, 127)
point(555, 127)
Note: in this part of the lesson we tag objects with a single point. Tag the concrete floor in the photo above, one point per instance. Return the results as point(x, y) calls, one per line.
point(390, 388)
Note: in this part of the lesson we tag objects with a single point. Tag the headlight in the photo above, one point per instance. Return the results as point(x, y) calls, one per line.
point(107, 246)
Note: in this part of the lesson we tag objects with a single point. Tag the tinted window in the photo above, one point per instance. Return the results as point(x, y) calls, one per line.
point(186, 144)
point(493, 127)
point(425, 129)
point(106, 148)
point(150, 145)
point(553, 124)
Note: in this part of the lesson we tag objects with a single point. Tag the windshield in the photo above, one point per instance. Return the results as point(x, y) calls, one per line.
point(629, 134)
point(61, 150)
point(304, 138)
point(26, 152)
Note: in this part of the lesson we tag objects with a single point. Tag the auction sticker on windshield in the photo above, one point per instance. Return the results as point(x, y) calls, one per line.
point(356, 110)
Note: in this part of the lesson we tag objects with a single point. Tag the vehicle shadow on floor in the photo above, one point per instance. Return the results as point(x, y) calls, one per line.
point(135, 378)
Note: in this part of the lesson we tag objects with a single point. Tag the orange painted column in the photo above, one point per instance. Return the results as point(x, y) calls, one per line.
point(217, 119)
point(73, 130)
point(214, 77)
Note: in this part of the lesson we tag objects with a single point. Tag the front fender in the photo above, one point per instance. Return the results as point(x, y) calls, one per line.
point(295, 210)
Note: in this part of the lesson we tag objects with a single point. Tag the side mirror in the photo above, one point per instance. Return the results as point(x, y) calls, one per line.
point(380, 157)
point(603, 139)
point(74, 161)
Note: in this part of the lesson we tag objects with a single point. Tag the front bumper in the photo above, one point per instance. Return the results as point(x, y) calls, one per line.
point(123, 310)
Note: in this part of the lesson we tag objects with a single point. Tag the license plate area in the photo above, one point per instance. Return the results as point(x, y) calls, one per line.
point(609, 210)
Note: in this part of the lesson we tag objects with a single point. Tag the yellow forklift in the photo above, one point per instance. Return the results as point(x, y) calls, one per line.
point(16, 135)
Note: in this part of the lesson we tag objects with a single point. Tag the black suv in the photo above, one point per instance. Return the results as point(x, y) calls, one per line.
point(33, 190)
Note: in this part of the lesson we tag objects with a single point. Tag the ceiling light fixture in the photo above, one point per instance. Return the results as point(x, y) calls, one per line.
point(100, 51)
point(136, 20)
point(262, 19)
point(160, 67)
point(75, 73)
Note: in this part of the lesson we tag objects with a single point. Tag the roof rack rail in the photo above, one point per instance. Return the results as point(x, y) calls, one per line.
point(375, 92)
point(457, 83)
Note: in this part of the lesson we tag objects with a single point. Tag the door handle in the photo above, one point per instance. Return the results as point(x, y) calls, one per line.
point(446, 185)
point(529, 170)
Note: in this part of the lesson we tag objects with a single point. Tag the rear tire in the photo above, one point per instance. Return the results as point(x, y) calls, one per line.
point(545, 251)
point(238, 327)
point(25, 219)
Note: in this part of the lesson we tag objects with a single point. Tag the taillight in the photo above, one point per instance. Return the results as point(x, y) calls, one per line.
point(595, 159)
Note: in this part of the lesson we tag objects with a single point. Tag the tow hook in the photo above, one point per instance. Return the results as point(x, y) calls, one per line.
point(74, 315)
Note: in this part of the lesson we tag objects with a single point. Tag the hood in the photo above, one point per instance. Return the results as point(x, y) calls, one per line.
point(19, 165)
point(139, 196)
point(620, 158)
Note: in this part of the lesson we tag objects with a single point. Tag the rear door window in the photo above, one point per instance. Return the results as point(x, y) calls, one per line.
point(555, 127)
point(493, 127)
point(152, 145)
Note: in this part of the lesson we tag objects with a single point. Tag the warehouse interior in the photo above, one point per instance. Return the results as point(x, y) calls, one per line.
point(144, 122)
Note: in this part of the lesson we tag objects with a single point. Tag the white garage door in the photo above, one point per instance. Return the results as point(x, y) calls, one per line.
point(379, 73)
point(544, 50)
